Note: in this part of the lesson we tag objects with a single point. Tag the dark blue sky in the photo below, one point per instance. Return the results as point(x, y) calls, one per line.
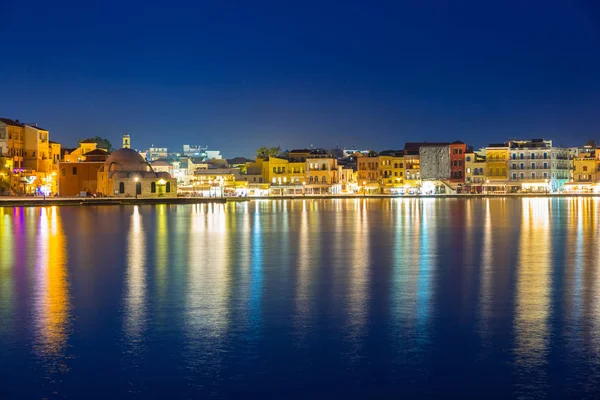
point(236, 75)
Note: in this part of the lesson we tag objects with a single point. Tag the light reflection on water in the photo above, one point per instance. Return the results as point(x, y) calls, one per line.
point(135, 296)
point(533, 297)
point(51, 304)
point(278, 297)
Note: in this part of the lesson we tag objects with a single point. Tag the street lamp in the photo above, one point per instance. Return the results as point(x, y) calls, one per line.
point(304, 188)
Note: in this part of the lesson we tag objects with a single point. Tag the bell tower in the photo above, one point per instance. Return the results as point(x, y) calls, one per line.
point(126, 141)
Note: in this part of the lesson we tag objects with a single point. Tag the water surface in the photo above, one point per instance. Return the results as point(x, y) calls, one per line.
point(303, 298)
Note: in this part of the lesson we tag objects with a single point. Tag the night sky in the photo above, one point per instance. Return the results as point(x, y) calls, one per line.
point(236, 75)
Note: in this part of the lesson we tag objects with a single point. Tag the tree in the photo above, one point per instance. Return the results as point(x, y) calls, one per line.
point(266, 152)
point(102, 143)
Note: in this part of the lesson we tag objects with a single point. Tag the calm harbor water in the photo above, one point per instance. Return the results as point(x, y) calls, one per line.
point(294, 299)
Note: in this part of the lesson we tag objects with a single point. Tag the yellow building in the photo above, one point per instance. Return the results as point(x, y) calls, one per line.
point(286, 176)
point(85, 146)
point(6, 164)
point(321, 171)
point(368, 173)
point(36, 155)
point(391, 171)
point(496, 159)
point(54, 153)
point(475, 171)
point(584, 168)
point(11, 141)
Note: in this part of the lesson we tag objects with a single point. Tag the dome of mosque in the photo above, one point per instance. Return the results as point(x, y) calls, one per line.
point(126, 160)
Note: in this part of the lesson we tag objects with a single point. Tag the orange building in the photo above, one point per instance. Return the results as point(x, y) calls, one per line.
point(77, 177)
point(457, 163)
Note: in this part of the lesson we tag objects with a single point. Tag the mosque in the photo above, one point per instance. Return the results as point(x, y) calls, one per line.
point(126, 174)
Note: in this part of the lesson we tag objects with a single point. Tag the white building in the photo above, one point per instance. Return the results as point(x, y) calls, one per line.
point(535, 165)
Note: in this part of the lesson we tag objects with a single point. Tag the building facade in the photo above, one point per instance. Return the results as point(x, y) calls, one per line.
point(530, 165)
point(475, 175)
point(458, 151)
point(12, 137)
point(496, 159)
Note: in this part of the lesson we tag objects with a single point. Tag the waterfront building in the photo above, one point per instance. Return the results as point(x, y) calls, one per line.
point(435, 167)
point(286, 176)
point(458, 151)
point(391, 171)
point(560, 169)
point(126, 173)
point(36, 149)
point(584, 172)
point(475, 167)
point(412, 167)
point(80, 178)
point(496, 158)
point(11, 141)
point(6, 172)
point(368, 173)
point(347, 178)
point(530, 164)
point(321, 173)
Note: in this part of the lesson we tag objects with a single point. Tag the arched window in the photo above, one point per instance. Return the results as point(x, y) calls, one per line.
point(168, 187)
point(138, 188)
point(153, 187)
point(122, 187)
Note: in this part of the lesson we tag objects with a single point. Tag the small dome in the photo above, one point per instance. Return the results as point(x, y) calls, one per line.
point(163, 175)
point(126, 160)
